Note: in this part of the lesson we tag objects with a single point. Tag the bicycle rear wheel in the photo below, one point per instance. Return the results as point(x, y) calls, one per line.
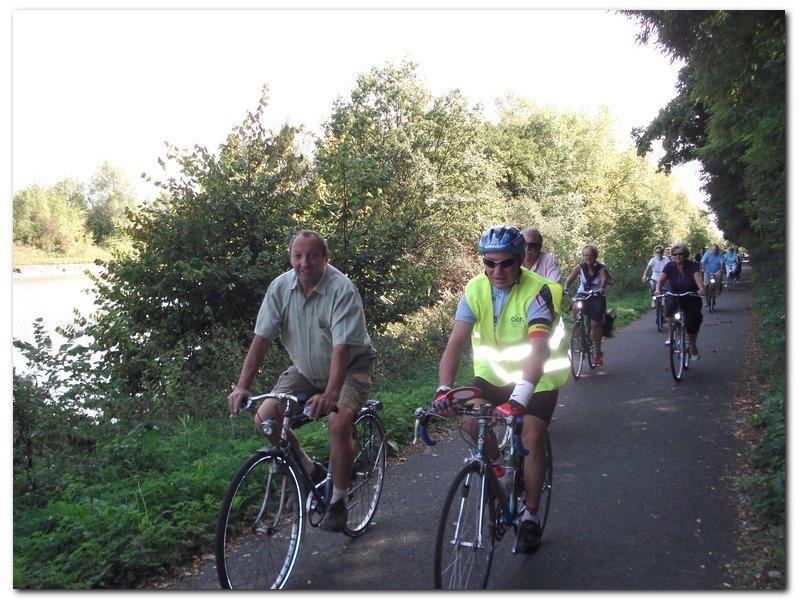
point(466, 535)
point(369, 468)
point(260, 524)
point(576, 349)
point(677, 352)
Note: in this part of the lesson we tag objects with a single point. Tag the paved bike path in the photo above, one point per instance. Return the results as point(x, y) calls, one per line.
point(643, 498)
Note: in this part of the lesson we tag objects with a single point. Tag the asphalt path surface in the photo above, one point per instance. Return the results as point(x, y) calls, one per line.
point(644, 494)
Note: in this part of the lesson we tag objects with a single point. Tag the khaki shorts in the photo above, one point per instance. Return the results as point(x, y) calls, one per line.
point(355, 390)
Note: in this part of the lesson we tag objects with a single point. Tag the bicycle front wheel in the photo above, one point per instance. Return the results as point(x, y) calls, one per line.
point(677, 351)
point(659, 318)
point(547, 483)
point(260, 525)
point(369, 468)
point(465, 540)
point(576, 348)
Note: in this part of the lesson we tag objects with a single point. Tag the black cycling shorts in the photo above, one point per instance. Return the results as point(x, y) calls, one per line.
point(595, 308)
point(541, 405)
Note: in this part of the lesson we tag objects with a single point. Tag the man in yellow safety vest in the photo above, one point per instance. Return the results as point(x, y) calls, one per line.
point(512, 316)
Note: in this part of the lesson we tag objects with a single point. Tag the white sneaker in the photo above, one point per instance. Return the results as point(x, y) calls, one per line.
point(668, 342)
point(695, 357)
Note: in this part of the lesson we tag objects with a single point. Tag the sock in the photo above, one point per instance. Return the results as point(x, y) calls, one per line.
point(337, 494)
point(530, 514)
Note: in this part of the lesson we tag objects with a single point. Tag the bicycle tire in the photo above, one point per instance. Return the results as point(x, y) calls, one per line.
point(591, 352)
point(469, 508)
point(260, 525)
point(576, 348)
point(547, 483)
point(677, 349)
point(369, 469)
point(659, 318)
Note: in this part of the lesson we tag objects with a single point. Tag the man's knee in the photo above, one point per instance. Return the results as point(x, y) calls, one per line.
point(340, 424)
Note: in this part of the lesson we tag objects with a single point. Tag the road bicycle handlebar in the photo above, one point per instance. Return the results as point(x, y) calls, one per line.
point(422, 417)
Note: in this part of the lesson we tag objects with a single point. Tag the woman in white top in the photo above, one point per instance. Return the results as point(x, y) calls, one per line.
point(655, 266)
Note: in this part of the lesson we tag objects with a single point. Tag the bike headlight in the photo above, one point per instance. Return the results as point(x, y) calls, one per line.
point(713, 281)
point(579, 305)
point(269, 427)
point(678, 316)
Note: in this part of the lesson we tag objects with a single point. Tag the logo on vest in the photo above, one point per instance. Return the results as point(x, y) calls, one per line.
point(518, 322)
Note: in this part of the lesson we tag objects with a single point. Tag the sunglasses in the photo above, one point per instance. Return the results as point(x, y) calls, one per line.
point(503, 264)
point(533, 245)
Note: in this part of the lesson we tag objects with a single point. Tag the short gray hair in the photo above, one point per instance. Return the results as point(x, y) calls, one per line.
point(532, 232)
point(682, 247)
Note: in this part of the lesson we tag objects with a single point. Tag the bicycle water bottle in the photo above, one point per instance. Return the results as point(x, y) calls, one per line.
point(505, 472)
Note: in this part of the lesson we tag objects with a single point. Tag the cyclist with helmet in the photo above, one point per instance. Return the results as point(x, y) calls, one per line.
point(512, 318)
point(593, 277)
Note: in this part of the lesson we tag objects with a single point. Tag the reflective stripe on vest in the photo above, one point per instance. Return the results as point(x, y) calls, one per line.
point(499, 352)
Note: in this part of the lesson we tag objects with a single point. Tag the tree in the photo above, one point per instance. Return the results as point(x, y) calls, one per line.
point(50, 219)
point(202, 253)
point(400, 185)
point(110, 197)
point(730, 113)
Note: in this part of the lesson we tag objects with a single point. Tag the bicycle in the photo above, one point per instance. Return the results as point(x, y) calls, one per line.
point(679, 340)
point(711, 294)
point(262, 519)
point(730, 279)
point(659, 306)
point(478, 510)
point(581, 343)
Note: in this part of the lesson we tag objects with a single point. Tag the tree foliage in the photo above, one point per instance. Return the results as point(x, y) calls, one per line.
point(50, 219)
point(109, 200)
point(730, 113)
point(400, 182)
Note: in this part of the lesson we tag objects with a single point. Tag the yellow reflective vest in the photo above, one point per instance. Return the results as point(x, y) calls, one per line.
point(500, 351)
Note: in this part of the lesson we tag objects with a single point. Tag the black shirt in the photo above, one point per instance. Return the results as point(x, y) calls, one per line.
point(680, 283)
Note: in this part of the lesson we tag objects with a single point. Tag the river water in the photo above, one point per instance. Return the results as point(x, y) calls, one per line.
point(52, 293)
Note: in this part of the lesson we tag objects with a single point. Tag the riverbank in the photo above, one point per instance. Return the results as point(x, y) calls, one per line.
point(49, 271)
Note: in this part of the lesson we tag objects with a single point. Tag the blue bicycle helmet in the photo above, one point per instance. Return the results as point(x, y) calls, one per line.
point(502, 238)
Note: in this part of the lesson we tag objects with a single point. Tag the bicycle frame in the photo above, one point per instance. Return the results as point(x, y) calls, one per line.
point(484, 417)
point(290, 421)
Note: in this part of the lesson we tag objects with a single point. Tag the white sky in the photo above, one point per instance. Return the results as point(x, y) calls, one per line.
point(95, 85)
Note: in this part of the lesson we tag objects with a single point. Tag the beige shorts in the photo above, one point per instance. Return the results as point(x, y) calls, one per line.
point(355, 390)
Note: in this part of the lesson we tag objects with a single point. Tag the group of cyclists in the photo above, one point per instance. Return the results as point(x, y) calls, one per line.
point(670, 271)
point(510, 314)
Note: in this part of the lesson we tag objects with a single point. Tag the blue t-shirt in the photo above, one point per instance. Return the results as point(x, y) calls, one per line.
point(681, 282)
point(730, 258)
point(712, 262)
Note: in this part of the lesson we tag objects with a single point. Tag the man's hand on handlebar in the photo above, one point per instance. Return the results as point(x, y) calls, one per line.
point(441, 404)
point(236, 399)
point(322, 404)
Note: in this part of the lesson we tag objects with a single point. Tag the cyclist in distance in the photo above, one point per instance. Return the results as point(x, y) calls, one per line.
point(593, 277)
point(732, 260)
point(683, 275)
point(543, 263)
point(654, 266)
point(512, 318)
point(317, 313)
point(712, 265)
